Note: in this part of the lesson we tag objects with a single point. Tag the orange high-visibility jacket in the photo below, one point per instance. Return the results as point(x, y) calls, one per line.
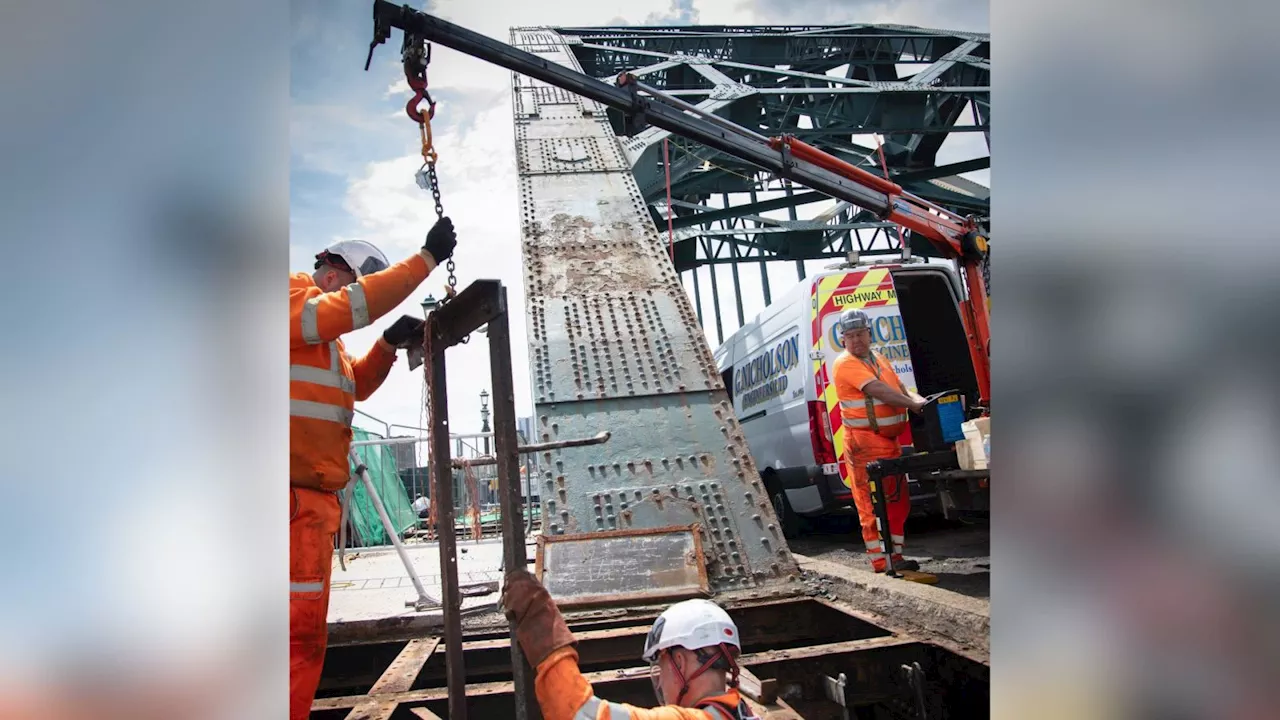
point(860, 411)
point(324, 382)
point(564, 694)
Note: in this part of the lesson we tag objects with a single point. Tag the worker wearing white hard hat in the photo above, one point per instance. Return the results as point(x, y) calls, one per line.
point(352, 286)
point(873, 409)
point(692, 650)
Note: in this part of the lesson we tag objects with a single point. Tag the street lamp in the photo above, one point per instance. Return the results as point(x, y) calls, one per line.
point(428, 304)
point(484, 418)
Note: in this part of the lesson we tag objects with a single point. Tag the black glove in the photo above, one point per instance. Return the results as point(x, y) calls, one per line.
point(441, 240)
point(404, 330)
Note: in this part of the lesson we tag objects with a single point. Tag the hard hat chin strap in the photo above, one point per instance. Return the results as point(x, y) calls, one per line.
point(721, 651)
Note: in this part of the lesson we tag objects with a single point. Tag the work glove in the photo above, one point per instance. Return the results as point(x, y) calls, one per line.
point(540, 627)
point(407, 328)
point(441, 240)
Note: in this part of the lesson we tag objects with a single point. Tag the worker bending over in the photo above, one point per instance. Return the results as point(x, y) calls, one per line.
point(692, 652)
point(353, 285)
point(873, 406)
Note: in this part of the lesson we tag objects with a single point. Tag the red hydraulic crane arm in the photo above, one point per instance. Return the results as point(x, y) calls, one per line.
point(955, 237)
point(940, 226)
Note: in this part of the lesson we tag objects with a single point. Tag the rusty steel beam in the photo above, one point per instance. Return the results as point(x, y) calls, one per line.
point(603, 679)
point(817, 651)
point(373, 710)
point(402, 671)
point(506, 455)
point(445, 518)
point(597, 439)
point(483, 302)
point(596, 648)
point(762, 621)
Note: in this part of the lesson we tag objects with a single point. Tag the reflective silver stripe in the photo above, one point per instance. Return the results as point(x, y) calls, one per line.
point(347, 384)
point(305, 587)
point(898, 541)
point(876, 555)
point(590, 710)
point(359, 306)
point(865, 423)
point(719, 711)
point(873, 544)
point(311, 321)
point(320, 376)
point(332, 377)
point(321, 411)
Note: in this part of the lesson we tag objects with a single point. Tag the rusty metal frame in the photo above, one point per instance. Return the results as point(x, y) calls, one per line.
point(483, 302)
point(704, 584)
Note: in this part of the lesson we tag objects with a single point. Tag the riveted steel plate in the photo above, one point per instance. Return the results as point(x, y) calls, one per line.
point(615, 345)
point(670, 458)
point(629, 343)
point(551, 95)
point(522, 99)
point(651, 564)
point(562, 155)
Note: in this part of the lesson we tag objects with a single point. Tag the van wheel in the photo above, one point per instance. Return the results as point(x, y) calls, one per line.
point(787, 517)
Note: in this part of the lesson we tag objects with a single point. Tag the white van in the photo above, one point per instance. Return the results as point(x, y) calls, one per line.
point(777, 369)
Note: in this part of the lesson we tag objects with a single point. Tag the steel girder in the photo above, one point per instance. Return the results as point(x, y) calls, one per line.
point(831, 86)
point(614, 346)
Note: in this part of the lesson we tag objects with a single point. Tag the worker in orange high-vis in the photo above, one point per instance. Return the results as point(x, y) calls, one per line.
point(873, 407)
point(352, 286)
point(692, 651)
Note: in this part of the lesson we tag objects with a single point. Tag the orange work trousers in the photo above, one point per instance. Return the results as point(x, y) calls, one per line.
point(862, 447)
point(313, 522)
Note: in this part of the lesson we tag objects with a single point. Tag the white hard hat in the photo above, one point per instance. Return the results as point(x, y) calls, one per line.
point(360, 257)
point(853, 320)
point(693, 625)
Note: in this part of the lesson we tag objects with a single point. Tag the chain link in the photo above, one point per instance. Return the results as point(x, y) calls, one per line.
point(433, 182)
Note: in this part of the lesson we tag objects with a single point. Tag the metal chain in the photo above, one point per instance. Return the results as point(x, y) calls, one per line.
point(433, 183)
point(435, 195)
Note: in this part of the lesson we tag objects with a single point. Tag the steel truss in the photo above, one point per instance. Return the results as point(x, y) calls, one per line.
point(832, 87)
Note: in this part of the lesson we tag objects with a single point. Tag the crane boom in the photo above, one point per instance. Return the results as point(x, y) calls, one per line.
point(954, 236)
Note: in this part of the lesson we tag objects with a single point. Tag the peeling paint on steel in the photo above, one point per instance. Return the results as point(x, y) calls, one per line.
point(615, 345)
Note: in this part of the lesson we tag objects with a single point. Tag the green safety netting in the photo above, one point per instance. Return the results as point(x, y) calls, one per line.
point(382, 471)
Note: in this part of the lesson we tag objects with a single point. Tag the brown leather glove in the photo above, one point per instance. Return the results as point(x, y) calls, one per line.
point(540, 627)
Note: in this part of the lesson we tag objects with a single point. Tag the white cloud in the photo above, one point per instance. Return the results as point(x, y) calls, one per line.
point(399, 88)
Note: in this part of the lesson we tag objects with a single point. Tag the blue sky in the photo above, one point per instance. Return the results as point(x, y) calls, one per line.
point(354, 152)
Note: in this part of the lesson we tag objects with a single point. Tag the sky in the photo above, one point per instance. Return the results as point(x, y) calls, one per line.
point(353, 155)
